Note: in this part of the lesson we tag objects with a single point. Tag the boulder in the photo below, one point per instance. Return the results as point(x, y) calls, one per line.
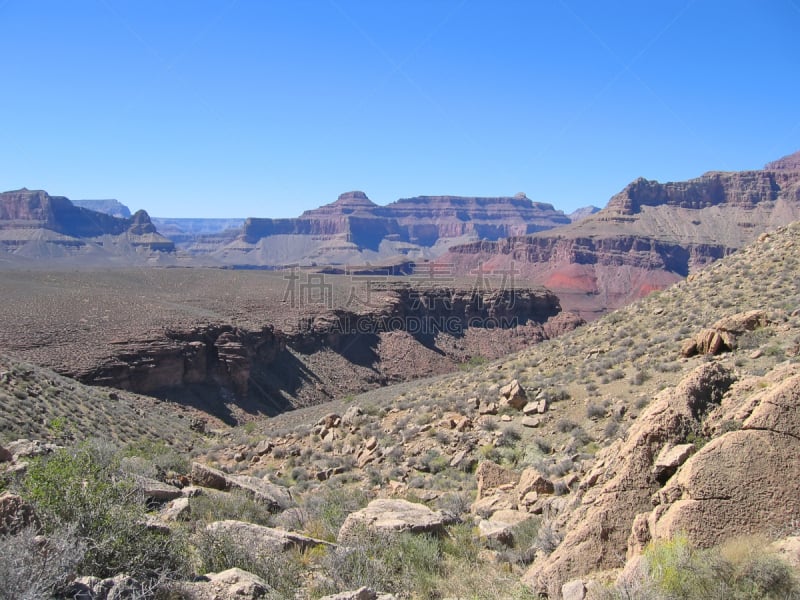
point(491, 476)
point(669, 459)
point(24, 448)
point(513, 395)
point(393, 515)
point(233, 584)
point(488, 505)
point(264, 540)
point(5, 455)
point(496, 532)
point(209, 477)
point(157, 490)
point(177, 510)
point(15, 513)
point(275, 496)
point(533, 481)
point(573, 590)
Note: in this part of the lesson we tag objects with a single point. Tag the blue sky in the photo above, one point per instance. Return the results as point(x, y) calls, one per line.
point(268, 108)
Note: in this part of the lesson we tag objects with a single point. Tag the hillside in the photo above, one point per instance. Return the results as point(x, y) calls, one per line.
point(648, 237)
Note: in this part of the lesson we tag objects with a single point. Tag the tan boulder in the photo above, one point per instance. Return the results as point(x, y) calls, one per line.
point(233, 584)
point(264, 540)
point(15, 513)
point(513, 395)
point(393, 515)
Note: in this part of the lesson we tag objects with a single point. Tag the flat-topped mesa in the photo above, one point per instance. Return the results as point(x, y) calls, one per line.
point(420, 221)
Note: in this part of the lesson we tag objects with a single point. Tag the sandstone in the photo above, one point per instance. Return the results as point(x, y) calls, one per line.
point(263, 447)
point(232, 584)
point(596, 532)
point(488, 408)
point(176, 510)
point(573, 590)
point(351, 415)
point(531, 421)
point(157, 490)
point(393, 515)
point(275, 496)
point(509, 517)
point(495, 531)
point(514, 395)
point(669, 459)
point(264, 540)
point(488, 505)
point(490, 476)
point(533, 481)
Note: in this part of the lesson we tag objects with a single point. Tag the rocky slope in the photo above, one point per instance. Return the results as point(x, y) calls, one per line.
point(649, 236)
point(354, 230)
point(35, 225)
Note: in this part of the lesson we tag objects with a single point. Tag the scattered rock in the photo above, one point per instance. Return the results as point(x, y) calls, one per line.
point(351, 415)
point(531, 421)
point(112, 588)
point(495, 531)
point(721, 337)
point(209, 477)
point(393, 515)
point(157, 490)
point(533, 481)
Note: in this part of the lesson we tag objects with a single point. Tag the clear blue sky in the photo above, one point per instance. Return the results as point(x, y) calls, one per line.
point(267, 107)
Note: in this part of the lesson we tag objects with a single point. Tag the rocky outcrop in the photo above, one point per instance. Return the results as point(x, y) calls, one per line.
point(742, 482)
point(622, 481)
point(112, 207)
point(232, 584)
point(721, 337)
point(31, 221)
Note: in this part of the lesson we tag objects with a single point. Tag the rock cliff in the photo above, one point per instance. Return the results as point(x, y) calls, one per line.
point(650, 235)
point(37, 225)
point(354, 230)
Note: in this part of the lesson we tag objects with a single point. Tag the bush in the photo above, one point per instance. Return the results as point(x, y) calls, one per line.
point(234, 505)
point(327, 511)
point(84, 489)
point(219, 551)
point(739, 570)
point(32, 568)
point(401, 562)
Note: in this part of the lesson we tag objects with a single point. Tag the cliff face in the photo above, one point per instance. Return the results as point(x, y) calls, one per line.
point(649, 236)
point(29, 219)
point(271, 370)
point(355, 230)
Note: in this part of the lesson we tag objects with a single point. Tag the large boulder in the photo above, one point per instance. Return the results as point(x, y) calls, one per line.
point(622, 482)
point(264, 540)
point(389, 515)
point(276, 497)
point(743, 482)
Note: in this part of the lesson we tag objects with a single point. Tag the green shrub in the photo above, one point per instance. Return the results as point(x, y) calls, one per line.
point(234, 505)
point(83, 488)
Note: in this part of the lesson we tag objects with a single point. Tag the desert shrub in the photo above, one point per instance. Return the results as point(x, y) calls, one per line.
point(739, 570)
point(164, 458)
point(220, 551)
point(237, 505)
point(327, 510)
point(595, 411)
point(434, 462)
point(84, 489)
point(565, 425)
point(31, 569)
point(400, 562)
point(508, 437)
